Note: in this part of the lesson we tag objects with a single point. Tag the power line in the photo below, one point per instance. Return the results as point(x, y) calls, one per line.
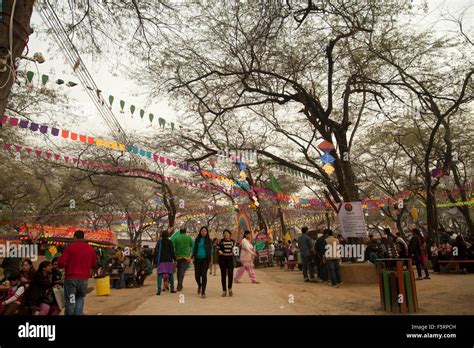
point(81, 71)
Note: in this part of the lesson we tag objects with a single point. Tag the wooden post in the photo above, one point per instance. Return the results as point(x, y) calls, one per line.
point(401, 286)
point(413, 285)
point(378, 268)
point(393, 291)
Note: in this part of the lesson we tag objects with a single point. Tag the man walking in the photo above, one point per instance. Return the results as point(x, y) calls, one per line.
point(79, 260)
point(306, 249)
point(182, 244)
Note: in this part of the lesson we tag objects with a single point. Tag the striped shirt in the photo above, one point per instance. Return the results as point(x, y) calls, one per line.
point(226, 246)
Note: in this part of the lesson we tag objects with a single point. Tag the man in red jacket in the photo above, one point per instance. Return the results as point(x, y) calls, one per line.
point(78, 259)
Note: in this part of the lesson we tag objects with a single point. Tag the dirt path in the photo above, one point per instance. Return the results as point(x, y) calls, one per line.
point(282, 292)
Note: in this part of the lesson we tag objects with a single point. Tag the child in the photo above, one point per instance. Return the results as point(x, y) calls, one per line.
point(12, 301)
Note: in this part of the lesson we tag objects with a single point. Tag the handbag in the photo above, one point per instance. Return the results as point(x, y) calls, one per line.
point(59, 296)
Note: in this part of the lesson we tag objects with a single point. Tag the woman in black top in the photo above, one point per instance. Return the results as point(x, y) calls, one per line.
point(165, 258)
point(41, 297)
point(201, 255)
point(226, 261)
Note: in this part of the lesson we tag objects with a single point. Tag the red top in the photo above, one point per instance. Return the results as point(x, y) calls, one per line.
point(78, 259)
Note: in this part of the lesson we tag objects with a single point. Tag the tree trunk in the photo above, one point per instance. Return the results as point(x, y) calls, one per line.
point(21, 31)
point(282, 222)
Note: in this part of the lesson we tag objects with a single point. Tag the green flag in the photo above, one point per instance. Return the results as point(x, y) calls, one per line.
point(274, 183)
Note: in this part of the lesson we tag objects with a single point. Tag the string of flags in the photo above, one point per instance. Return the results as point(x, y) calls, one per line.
point(228, 182)
point(110, 144)
point(162, 122)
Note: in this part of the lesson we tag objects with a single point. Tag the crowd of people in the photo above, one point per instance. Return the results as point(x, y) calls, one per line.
point(176, 252)
point(31, 291)
point(415, 247)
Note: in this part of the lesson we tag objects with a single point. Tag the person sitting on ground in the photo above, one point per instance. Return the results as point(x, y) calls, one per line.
point(27, 273)
point(434, 258)
point(129, 271)
point(10, 304)
point(41, 297)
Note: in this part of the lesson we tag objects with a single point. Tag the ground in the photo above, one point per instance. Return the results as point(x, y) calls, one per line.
point(283, 292)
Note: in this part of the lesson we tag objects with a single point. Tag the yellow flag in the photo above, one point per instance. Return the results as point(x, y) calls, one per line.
point(287, 237)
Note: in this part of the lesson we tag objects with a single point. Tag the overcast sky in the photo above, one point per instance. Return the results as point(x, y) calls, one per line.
point(122, 87)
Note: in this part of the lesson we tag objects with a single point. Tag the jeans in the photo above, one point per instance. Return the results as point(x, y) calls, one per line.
point(226, 264)
point(200, 272)
point(74, 292)
point(334, 271)
point(170, 278)
point(308, 265)
point(181, 270)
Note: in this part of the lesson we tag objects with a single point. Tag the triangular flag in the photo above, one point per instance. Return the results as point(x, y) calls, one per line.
point(142, 113)
point(44, 79)
point(132, 109)
point(274, 183)
point(151, 117)
point(29, 76)
point(122, 105)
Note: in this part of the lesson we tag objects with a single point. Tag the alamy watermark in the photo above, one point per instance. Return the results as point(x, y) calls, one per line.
point(23, 251)
point(349, 251)
point(246, 156)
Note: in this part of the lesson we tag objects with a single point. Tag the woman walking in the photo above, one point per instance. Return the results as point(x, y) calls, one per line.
point(226, 262)
point(417, 250)
point(165, 261)
point(202, 251)
point(247, 255)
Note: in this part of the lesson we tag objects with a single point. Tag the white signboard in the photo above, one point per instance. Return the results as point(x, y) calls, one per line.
point(351, 218)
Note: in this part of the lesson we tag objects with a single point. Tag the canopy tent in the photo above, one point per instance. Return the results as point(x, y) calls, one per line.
point(65, 234)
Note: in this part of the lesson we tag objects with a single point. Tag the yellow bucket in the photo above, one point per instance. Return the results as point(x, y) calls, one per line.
point(102, 286)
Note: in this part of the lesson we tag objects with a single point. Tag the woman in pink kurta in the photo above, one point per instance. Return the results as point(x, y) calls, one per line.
point(247, 255)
